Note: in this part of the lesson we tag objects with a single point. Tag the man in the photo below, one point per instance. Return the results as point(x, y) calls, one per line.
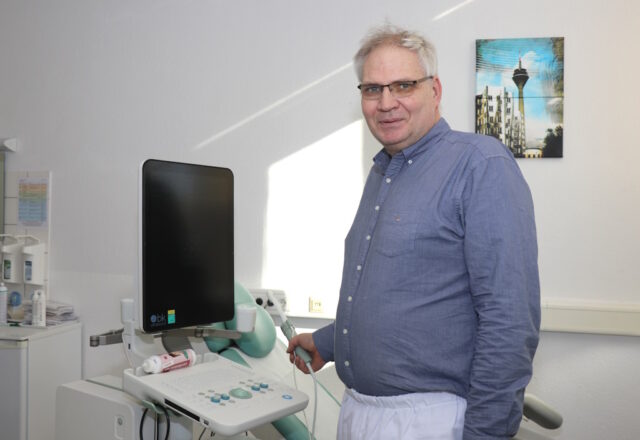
point(439, 313)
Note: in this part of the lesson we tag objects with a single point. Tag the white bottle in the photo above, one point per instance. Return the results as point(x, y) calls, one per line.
point(169, 361)
point(39, 309)
point(4, 293)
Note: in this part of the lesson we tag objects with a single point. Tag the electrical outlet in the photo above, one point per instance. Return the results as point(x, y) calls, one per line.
point(262, 299)
point(315, 305)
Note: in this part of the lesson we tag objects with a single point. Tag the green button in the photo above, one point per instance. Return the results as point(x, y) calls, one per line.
point(240, 393)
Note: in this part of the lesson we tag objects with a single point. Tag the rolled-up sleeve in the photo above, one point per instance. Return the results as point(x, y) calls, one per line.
point(501, 255)
point(323, 339)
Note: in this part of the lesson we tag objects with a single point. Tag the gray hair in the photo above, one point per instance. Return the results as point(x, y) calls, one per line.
point(395, 36)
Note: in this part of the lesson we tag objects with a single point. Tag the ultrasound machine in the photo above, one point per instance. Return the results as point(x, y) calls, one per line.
point(187, 298)
point(242, 385)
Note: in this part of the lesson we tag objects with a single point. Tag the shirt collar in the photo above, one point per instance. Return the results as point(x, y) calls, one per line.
point(382, 159)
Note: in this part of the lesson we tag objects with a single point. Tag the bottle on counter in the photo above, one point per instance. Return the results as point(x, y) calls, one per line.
point(39, 309)
point(4, 298)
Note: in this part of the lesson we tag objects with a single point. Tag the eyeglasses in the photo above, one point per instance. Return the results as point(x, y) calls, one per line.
point(399, 89)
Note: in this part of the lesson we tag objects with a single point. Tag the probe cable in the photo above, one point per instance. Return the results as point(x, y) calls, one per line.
point(166, 416)
point(311, 434)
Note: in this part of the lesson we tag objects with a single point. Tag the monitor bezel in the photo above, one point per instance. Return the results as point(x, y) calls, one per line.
point(140, 249)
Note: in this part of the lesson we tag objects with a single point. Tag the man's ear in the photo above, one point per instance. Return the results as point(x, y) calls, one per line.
point(436, 87)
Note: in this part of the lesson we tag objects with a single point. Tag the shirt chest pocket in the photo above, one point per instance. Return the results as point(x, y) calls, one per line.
point(395, 233)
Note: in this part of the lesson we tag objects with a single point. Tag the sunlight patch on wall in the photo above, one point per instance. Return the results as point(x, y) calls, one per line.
point(452, 10)
point(313, 197)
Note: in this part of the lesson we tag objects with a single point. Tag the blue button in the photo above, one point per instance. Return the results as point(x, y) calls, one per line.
point(264, 385)
point(255, 387)
point(215, 399)
point(225, 397)
point(287, 397)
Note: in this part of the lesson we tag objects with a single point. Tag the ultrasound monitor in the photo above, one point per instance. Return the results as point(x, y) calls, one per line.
point(186, 261)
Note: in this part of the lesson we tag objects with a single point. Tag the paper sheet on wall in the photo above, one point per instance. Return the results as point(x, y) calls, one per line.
point(32, 202)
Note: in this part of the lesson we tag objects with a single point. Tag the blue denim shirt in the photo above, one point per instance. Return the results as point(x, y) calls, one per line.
point(440, 288)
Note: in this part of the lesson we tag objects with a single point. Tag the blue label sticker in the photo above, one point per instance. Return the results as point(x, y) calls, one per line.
point(27, 270)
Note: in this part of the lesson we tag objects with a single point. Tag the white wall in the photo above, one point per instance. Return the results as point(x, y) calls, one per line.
point(91, 88)
point(592, 380)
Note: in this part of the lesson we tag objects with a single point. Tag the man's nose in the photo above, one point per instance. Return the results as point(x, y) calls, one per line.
point(387, 100)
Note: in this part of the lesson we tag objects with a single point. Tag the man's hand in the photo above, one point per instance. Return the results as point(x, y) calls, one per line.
point(305, 340)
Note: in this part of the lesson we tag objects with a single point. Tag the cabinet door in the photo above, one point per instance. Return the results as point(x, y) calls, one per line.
point(53, 360)
point(13, 389)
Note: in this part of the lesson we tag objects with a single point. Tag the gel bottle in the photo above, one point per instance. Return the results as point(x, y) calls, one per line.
point(169, 361)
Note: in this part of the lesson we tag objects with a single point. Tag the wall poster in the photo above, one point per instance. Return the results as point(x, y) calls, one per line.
point(520, 94)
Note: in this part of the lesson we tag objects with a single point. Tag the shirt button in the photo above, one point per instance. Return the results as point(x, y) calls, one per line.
point(345, 331)
point(409, 161)
point(368, 237)
point(377, 208)
point(346, 363)
point(358, 267)
point(350, 299)
point(388, 180)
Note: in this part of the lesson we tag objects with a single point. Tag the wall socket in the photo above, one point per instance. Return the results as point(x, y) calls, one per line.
point(261, 298)
point(315, 305)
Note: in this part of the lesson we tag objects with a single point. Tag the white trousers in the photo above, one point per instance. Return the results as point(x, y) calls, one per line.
point(425, 416)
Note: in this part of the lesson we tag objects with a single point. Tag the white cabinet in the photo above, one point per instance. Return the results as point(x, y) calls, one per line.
point(33, 362)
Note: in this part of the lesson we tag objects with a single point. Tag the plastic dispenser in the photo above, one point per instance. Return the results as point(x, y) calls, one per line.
point(33, 267)
point(12, 262)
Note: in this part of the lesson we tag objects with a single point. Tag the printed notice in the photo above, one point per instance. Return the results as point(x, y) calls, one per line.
point(32, 202)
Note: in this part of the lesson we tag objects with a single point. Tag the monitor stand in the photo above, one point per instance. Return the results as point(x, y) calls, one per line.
point(139, 346)
point(173, 342)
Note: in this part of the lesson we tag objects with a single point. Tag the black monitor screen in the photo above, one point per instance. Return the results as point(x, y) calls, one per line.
point(186, 245)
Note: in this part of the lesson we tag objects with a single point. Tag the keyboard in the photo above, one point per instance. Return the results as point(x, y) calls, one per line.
point(221, 395)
